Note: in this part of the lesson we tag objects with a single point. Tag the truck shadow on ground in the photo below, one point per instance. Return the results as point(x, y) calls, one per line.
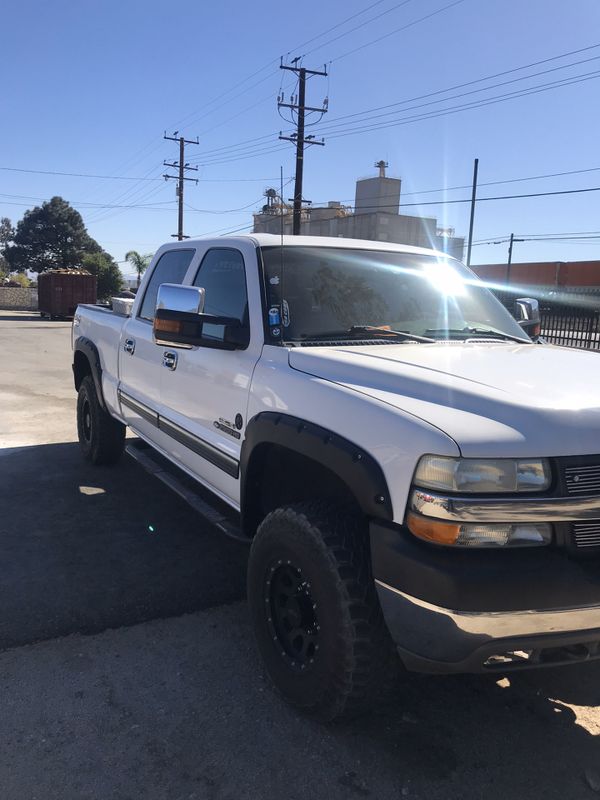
point(483, 735)
point(85, 548)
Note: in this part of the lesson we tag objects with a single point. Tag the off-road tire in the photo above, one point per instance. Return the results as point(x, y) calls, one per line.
point(354, 660)
point(101, 437)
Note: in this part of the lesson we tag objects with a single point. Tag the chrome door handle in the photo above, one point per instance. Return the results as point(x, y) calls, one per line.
point(129, 346)
point(170, 360)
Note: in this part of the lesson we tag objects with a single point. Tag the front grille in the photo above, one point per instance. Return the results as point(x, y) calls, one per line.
point(586, 534)
point(582, 480)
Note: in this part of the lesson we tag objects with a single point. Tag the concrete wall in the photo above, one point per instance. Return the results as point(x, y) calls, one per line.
point(18, 299)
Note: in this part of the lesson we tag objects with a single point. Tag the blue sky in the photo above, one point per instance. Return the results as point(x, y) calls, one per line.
point(90, 88)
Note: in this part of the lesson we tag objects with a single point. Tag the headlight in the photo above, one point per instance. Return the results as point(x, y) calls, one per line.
point(483, 475)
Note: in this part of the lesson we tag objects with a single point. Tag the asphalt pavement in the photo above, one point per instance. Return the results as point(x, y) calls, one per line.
point(128, 668)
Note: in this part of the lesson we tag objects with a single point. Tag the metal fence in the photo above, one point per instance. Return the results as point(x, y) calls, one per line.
point(572, 319)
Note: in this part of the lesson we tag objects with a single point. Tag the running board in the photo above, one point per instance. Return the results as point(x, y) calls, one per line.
point(160, 468)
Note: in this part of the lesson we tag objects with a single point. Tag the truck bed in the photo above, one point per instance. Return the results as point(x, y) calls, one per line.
point(103, 327)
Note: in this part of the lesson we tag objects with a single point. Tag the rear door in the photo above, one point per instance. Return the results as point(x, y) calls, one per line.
point(140, 360)
point(205, 396)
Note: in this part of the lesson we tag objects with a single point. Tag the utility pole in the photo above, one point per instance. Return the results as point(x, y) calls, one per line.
point(181, 166)
point(510, 250)
point(298, 104)
point(473, 198)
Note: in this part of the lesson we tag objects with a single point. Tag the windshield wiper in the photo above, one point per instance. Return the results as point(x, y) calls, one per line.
point(355, 329)
point(469, 333)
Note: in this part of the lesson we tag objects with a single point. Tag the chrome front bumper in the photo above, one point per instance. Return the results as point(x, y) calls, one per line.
point(506, 510)
point(435, 639)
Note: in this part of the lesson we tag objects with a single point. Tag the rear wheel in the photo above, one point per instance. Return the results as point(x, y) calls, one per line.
point(101, 437)
point(315, 611)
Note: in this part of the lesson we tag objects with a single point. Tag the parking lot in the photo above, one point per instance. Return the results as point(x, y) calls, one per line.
point(128, 669)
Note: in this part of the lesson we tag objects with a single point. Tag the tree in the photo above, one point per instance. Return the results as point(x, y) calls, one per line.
point(107, 272)
point(49, 236)
point(139, 262)
point(7, 233)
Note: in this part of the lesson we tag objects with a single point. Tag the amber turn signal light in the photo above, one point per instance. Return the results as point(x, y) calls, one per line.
point(430, 530)
point(167, 326)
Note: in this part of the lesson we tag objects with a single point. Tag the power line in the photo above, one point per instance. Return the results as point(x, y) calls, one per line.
point(77, 174)
point(82, 203)
point(193, 117)
point(335, 123)
point(136, 193)
point(256, 154)
point(357, 27)
point(335, 27)
point(226, 210)
point(472, 82)
point(398, 30)
point(484, 199)
point(468, 106)
point(479, 184)
point(470, 92)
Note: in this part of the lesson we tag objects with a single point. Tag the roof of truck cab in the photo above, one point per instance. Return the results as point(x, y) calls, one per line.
point(273, 240)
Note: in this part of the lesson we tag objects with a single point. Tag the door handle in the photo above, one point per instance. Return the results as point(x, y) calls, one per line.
point(129, 346)
point(170, 360)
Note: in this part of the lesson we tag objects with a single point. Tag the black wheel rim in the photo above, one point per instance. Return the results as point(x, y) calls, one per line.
point(86, 421)
point(292, 615)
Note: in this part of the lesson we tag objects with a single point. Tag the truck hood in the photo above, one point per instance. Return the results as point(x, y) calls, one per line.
point(494, 399)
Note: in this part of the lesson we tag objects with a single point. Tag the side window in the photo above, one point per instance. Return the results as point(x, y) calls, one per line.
point(223, 277)
point(171, 268)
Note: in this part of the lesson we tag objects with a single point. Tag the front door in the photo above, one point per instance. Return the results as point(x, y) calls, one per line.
point(140, 360)
point(205, 395)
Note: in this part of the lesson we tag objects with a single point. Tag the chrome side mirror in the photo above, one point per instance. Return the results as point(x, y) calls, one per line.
point(179, 321)
point(178, 315)
point(175, 297)
point(527, 314)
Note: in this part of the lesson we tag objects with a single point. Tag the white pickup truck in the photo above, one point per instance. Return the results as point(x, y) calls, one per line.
point(416, 475)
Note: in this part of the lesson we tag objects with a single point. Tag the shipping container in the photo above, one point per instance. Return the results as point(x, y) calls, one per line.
point(542, 273)
point(61, 290)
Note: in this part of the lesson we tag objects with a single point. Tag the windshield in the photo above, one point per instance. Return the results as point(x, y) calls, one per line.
point(328, 291)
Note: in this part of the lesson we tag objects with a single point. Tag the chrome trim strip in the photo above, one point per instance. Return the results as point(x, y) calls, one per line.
point(142, 410)
point(200, 447)
point(504, 509)
point(207, 451)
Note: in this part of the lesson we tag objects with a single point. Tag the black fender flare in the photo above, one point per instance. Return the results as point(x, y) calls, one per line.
point(356, 467)
point(84, 345)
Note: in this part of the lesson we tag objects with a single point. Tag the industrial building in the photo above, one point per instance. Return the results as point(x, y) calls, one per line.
point(375, 215)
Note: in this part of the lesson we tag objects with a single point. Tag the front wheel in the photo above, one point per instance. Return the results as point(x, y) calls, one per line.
point(315, 611)
point(101, 437)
